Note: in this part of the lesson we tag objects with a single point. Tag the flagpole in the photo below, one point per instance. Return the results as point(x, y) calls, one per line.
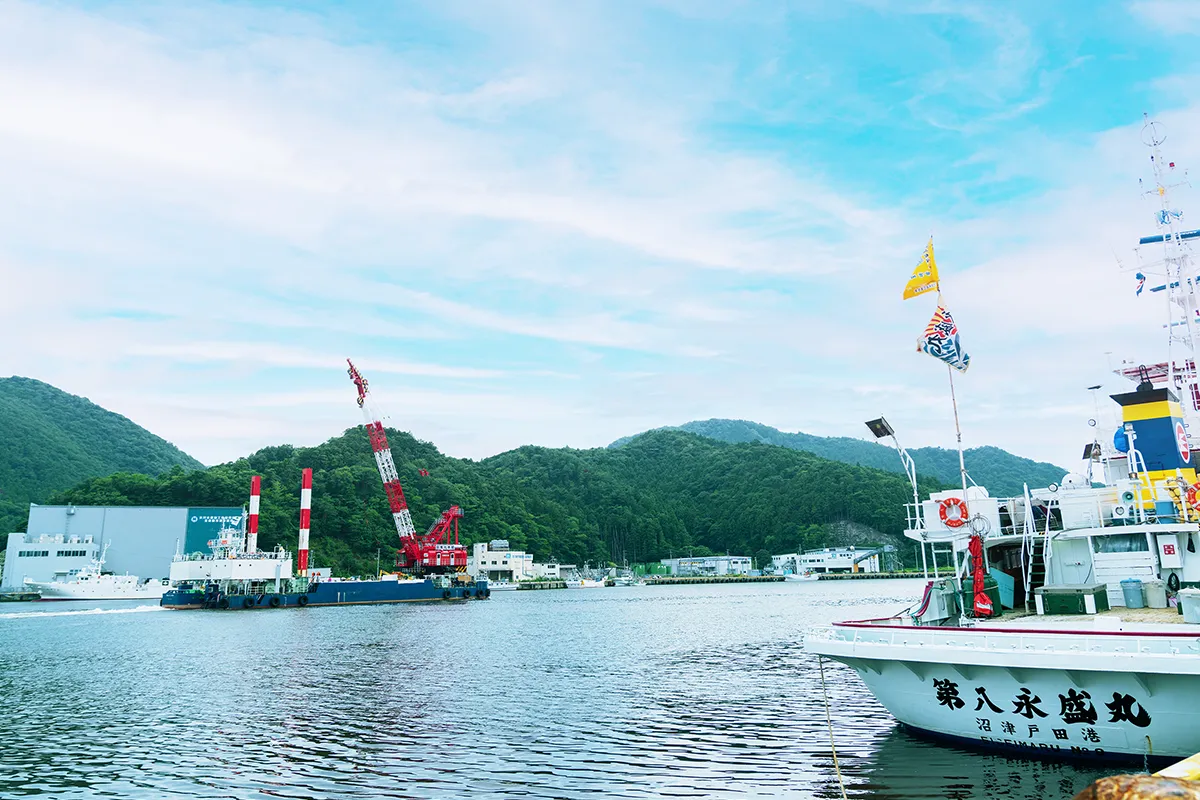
point(962, 464)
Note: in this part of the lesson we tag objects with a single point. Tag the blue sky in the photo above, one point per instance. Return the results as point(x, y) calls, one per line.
point(558, 223)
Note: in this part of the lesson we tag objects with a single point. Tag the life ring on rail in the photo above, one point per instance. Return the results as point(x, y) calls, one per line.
point(955, 518)
point(1193, 496)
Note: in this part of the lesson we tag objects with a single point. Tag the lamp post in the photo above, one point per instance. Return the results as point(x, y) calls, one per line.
point(881, 430)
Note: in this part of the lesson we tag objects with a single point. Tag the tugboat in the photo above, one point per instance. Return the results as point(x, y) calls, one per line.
point(236, 575)
point(1092, 660)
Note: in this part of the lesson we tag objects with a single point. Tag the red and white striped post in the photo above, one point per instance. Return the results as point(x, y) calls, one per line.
point(252, 522)
point(305, 513)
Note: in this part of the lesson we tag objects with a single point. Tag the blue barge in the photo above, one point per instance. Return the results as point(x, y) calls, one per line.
point(293, 594)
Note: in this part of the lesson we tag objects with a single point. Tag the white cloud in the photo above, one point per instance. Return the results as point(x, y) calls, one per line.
point(529, 243)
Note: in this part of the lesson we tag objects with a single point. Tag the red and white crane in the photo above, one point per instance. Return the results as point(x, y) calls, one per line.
point(428, 552)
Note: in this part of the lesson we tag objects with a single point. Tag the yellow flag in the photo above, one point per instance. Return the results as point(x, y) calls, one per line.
point(924, 278)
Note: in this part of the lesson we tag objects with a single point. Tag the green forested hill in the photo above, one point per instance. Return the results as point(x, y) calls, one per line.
point(51, 440)
point(667, 492)
point(1000, 471)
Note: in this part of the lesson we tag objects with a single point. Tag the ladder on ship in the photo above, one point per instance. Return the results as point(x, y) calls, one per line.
point(1036, 549)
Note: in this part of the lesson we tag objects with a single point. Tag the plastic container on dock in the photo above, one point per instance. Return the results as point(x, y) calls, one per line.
point(1131, 588)
point(1189, 601)
point(1156, 593)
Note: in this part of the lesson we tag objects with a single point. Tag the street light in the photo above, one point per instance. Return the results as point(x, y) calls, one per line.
point(882, 429)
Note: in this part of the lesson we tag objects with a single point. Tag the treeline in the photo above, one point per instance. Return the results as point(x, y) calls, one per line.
point(51, 440)
point(1000, 471)
point(666, 493)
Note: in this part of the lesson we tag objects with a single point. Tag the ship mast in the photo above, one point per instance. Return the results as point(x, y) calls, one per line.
point(1174, 264)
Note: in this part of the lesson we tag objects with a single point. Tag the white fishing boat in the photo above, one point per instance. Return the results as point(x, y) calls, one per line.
point(92, 583)
point(584, 583)
point(502, 586)
point(801, 577)
point(1058, 632)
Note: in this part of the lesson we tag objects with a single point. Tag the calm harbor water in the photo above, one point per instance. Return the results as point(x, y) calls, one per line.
point(686, 691)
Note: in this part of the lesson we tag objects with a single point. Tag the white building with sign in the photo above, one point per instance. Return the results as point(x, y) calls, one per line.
point(496, 561)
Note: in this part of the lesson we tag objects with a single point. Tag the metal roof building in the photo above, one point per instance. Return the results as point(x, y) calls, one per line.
point(141, 541)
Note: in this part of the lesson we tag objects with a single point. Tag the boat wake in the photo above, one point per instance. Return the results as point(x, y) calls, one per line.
point(79, 612)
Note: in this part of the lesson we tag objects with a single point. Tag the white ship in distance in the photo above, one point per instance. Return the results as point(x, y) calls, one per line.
point(92, 583)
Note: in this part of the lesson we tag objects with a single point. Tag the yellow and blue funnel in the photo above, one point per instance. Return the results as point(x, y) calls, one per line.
point(1159, 432)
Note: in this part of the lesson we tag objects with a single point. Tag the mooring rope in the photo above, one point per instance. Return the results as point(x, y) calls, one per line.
point(829, 723)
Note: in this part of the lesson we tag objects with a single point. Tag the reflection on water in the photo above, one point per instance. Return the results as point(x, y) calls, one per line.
point(696, 691)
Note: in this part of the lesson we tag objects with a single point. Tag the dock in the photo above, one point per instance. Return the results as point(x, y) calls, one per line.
point(668, 580)
point(529, 585)
point(862, 576)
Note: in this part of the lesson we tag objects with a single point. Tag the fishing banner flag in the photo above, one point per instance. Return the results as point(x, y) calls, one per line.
point(925, 277)
point(941, 341)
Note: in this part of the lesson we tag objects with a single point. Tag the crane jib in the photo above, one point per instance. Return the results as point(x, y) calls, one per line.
point(433, 549)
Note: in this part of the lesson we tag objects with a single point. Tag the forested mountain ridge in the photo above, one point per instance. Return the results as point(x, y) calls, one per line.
point(51, 440)
point(1000, 471)
point(668, 492)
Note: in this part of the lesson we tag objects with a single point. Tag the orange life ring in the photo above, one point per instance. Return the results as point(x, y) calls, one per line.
point(960, 512)
point(1193, 496)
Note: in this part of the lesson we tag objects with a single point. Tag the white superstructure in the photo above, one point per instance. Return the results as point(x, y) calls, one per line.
point(228, 561)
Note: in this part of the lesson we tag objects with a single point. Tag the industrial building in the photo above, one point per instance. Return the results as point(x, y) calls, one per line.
point(830, 559)
point(708, 565)
point(141, 541)
point(496, 561)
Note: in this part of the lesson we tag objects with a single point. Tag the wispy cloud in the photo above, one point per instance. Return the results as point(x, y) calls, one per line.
point(561, 224)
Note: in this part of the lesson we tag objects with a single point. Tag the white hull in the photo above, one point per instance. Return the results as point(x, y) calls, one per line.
point(812, 576)
point(126, 587)
point(1064, 693)
point(502, 587)
point(584, 584)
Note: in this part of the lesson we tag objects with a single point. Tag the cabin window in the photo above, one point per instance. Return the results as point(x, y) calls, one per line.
point(1121, 543)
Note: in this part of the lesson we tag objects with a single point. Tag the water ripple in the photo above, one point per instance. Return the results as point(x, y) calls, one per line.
point(684, 692)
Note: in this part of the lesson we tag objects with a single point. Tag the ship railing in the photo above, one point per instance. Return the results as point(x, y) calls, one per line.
point(1133, 503)
point(1065, 641)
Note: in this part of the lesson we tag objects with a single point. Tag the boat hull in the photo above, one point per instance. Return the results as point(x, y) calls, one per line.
point(328, 593)
point(97, 591)
point(1081, 697)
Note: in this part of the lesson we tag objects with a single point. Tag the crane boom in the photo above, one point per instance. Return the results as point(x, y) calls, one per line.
point(385, 462)
point(434, 551)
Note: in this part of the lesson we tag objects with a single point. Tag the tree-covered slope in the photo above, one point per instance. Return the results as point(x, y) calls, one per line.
point(50, 440)
point(1000, 471)
point(666, 493)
